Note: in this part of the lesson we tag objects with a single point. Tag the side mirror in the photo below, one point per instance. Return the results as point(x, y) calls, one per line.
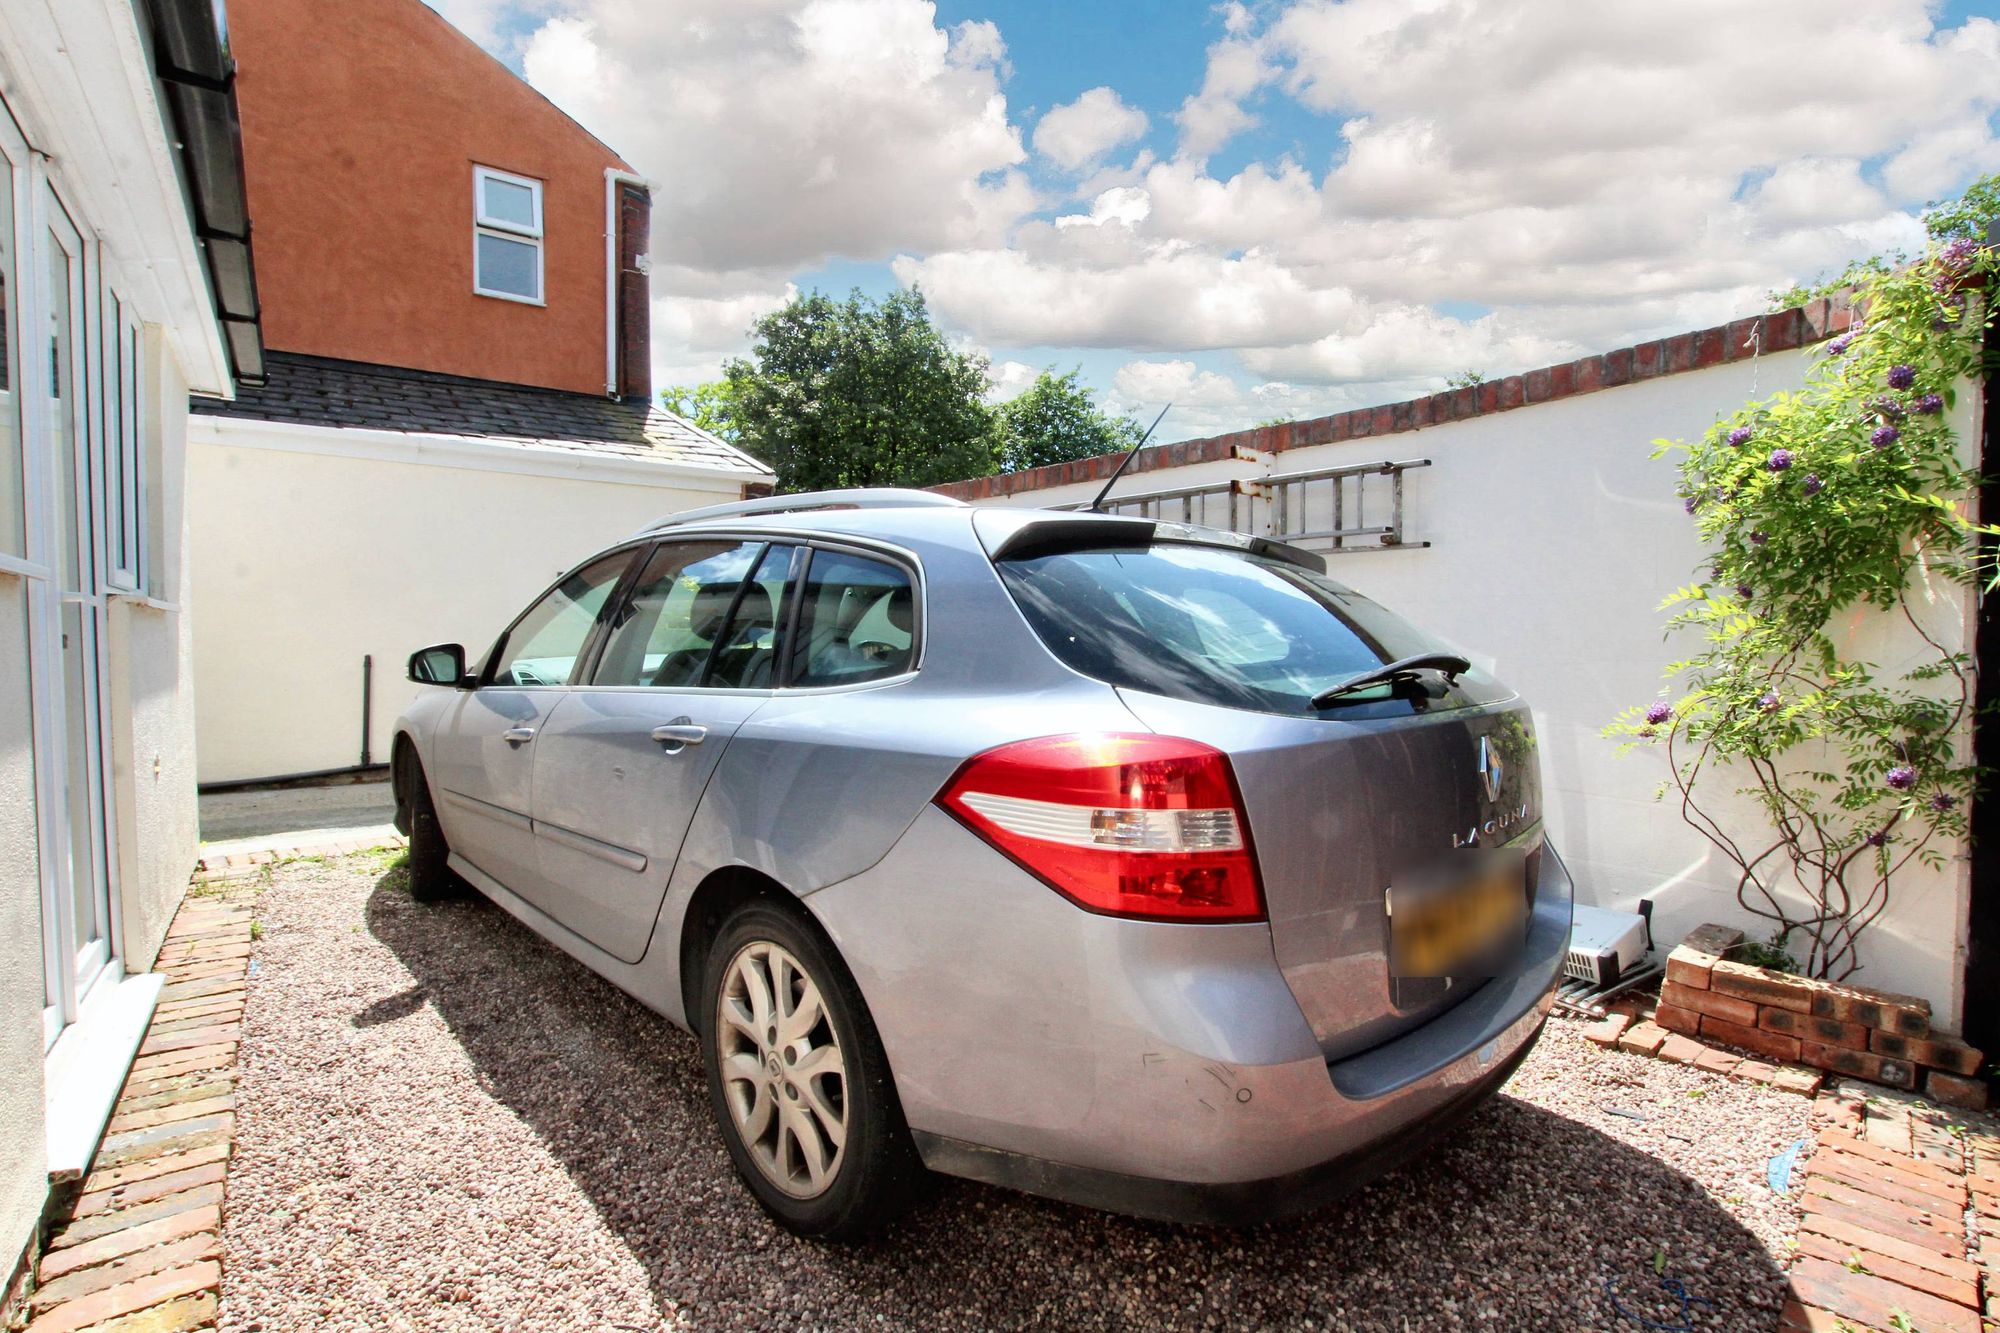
point(441, 664)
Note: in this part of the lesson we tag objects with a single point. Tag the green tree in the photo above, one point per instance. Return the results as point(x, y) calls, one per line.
point(860, 393)
point(1056, 420)
point(710, 406)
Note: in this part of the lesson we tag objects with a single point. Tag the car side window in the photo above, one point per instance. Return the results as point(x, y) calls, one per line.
point(677, 631)
point(544, 644)
point(857, 621)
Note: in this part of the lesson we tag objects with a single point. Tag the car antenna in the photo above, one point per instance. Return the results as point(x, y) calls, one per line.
point(1097, 506)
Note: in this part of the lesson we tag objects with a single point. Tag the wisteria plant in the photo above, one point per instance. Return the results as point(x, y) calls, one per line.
point(1847, 494)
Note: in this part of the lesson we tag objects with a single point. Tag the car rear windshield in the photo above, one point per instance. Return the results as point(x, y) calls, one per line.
point(1222, 626)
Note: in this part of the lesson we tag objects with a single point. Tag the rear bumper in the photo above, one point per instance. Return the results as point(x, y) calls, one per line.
point(1225, 1204)
point(1160, 1070)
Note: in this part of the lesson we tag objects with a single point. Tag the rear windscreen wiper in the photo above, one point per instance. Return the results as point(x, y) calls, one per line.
point(1450, 667)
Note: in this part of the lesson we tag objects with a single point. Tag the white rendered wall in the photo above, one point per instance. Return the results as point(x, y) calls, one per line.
point(1555, 536)
point(23, 1172)
point(303, 562)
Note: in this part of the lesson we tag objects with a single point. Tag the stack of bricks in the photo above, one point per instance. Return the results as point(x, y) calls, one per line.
point(1866, 1034)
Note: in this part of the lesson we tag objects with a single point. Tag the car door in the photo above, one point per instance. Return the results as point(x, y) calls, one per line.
point(482, 754)
point(690, 653)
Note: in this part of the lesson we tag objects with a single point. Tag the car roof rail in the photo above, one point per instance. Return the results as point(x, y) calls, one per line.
point(860, 497)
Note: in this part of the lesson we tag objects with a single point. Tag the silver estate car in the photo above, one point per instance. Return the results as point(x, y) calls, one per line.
point(1117, 861)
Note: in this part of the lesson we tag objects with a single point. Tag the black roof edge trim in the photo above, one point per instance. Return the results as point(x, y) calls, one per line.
point(190, 54)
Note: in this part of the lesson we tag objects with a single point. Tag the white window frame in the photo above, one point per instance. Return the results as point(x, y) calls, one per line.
point(125, 468)
point(501, 229)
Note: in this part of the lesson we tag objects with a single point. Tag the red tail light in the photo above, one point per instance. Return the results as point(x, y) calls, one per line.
point(1127, 825)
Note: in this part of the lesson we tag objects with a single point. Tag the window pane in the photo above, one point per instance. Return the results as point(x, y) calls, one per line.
point(113, 417)
point(542, 649)
point(747, 653)
point(12, 487)
point(509, 266)
point(508, 202)
point(1218, 626)
point(62, 383)
point(667, 631)
point(857, 621)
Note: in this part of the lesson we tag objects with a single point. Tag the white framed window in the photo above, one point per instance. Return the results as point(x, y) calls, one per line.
point(506, 235)
point(127, 487)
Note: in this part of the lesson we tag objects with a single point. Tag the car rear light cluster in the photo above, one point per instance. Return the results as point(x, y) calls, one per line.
point(1127, 825)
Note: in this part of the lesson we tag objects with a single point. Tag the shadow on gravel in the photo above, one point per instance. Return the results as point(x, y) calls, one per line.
point(1514, 1223)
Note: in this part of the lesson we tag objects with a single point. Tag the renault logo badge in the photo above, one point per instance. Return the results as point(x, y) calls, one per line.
point(1491, 768)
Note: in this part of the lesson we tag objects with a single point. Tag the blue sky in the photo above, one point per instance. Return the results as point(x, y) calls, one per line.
point(1270, 209)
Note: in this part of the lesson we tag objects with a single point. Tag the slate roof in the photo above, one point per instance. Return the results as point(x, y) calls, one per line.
point(320, 391)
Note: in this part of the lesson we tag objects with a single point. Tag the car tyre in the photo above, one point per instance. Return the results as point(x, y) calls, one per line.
point(431, 877)
point(798, 1081)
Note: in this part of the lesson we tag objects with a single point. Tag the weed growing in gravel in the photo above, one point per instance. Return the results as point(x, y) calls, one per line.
point(256, 930)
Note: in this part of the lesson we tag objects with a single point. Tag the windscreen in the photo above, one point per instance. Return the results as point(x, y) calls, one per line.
point(1221, 626)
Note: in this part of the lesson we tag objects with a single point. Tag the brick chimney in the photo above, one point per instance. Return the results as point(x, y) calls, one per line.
point(635, 293)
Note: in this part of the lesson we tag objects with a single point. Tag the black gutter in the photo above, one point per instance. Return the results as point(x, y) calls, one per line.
point(196, 79)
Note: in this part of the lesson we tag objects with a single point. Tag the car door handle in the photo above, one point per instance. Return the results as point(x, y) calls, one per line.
point(518, 736)
point(677, 736)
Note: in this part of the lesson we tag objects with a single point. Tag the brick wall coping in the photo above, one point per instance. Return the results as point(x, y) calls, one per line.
point(1738, 340)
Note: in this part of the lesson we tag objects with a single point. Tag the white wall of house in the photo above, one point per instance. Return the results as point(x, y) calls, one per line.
point(314, 547)
point(1555, 536)
point(95, 225)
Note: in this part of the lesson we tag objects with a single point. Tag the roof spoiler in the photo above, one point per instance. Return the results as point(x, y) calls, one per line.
point(1090, 532)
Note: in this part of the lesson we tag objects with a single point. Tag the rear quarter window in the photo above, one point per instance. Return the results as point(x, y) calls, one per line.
point(1216, 625)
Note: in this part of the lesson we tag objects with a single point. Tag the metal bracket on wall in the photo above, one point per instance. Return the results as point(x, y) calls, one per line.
point(1337, 510)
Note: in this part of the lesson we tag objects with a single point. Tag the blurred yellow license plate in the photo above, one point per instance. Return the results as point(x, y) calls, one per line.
point(1462, 918)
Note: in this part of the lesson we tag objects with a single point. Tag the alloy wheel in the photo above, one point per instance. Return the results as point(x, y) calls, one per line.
point(784, 1077)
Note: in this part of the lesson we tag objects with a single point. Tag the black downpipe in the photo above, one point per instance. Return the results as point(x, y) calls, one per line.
point(367, 703)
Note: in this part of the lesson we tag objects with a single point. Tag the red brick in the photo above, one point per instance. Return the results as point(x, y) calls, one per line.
point(1859, 1064)
point(1717, 1062)
point(1773, 1044)
point(1562, 380)
point(1885, 1182)
point(1707, 348)
point(1967, 1094)
point(1711, 938)
point(1589, 374)
point(1742, 337)
point(1708, 1004)
point(1826, 1031)
point(1489, 396)
point(129, 1240)
point(1784, 330)
point(1875, 1300)
point(1512, 392)
point(1938, 1052)
point(1676, 1019)
point(1607, 1031)
point(130, 1297)
point(1618, 367)
point(72, 1287)
point(1906, 1015)
point(1757, 1071)
point(1648, 360)
point(1879, 1242)
point(1889, 1157)
point(1781, 990)
point(1535, 386)
point(1954, 1289)
point(1680, 353)
point(1645, 1038)
point(1680, 1050)
point(1690, 967)
point(1805, 1082)
point(1831, 1198)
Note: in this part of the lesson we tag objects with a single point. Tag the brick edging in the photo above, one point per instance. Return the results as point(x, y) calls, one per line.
point(1738, 340)
point(139, 1240)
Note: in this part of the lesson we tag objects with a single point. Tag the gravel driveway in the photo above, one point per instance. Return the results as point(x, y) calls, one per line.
point(448, 1125)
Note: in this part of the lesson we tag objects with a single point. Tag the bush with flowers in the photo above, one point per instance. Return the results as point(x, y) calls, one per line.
point(1849, 493)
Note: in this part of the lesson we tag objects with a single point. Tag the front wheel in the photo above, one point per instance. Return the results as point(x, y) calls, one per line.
point(431, 877)
point(799, 1083)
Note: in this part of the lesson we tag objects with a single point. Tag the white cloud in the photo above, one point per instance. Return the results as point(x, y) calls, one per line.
point(1010, 379)
point(701, 319)
point(1077, 134)
point(785, 132)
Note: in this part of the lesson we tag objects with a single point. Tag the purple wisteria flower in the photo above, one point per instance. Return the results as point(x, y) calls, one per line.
point(1840, 345)
point(1692, 503)
point(1877, 838)
point(1743, 590)
point(1944, 803)
point(1757, 537)
point(1780, 460)
point(1740, 436)
point(1959, 253)
point(1812, 485)
point(1901, 778)
point(1769, 703)
point(1659, 712)
point(1931, 404)
point(1884, 436)
point(1715, 572)
point(1884, 406)
point(1902, 377)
